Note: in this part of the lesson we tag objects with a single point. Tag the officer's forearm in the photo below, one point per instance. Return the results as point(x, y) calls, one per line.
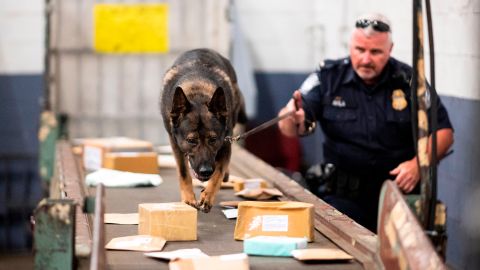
point(444, 142)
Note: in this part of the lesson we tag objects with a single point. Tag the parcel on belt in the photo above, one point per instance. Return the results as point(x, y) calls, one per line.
point(253, 183)
point(174, 221)
point(290, 218)
point(138, 162)
point(273, 245)
point(94, 150)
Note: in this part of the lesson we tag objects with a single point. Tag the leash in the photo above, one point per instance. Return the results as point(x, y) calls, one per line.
point(261, 127)
point(309, 127)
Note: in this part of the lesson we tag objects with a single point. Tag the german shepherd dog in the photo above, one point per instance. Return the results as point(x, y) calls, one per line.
point(200, 105)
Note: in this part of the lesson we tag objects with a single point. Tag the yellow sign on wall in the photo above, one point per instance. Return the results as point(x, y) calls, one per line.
point(131, 28)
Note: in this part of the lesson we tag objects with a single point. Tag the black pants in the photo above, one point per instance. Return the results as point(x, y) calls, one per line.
point(355, 196)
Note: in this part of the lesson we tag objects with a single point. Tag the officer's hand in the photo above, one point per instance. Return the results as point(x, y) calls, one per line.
point(294, 124)
point(407, 175)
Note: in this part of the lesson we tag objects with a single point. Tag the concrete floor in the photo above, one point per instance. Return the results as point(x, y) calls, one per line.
point(16, 261)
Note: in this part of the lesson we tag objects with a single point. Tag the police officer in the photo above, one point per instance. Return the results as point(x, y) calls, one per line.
point(363, 106)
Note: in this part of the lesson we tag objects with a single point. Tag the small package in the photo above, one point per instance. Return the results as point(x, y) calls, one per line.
point(317, 254)
point(94, 150)
point(259, 193)
point(176, 221)
point(273, 245)
point(240, 184)
point(114, 178)
point(138, 162)
point(230, 262)
point(187, 253)
point(144, 243)
point(289, 218)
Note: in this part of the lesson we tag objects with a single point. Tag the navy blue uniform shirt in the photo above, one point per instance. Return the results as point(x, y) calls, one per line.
point(368, 130)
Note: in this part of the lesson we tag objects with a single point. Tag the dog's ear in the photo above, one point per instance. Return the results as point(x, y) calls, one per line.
point(181, 105)
point(218, 104)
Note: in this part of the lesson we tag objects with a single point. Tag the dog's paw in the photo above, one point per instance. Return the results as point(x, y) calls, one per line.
point(204, 206)
point(192, 203)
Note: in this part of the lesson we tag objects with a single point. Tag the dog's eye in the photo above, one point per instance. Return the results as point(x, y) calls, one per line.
point(192, 141)
point(212, 140)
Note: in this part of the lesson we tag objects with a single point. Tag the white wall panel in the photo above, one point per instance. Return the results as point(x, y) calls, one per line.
point(458, 76)
point(294, 36)
point(117, 94)
point(22, 37)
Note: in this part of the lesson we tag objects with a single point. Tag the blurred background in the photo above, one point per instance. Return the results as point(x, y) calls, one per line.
point(50, 61)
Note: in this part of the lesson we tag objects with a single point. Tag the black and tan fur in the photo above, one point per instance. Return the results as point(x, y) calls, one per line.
point(200, 105)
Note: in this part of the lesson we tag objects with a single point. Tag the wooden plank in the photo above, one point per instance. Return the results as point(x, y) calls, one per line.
point(403, 244)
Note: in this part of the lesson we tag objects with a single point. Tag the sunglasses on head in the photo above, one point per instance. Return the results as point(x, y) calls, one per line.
point(378, 26)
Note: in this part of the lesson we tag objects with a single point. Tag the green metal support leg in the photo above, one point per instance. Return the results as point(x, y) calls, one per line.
point(54, 235)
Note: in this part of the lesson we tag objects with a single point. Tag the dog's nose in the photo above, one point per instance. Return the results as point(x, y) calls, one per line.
point(205, 171)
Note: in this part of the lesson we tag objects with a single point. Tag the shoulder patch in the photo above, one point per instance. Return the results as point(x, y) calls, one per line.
point(310, 82)
point(327, 64)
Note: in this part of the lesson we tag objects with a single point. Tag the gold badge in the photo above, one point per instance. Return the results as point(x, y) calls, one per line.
point(398, 100)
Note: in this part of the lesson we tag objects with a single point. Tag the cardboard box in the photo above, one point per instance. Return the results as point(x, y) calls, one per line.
point(174, 221)
point(292, 219)
point(254, 183)
point(138, 162)
point(94, 150)
point(230, 262)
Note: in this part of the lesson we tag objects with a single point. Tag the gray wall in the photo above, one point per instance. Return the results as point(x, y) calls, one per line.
point(458, 186)
point(20, 188)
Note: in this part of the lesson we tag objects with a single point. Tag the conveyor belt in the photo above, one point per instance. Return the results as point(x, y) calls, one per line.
point(215, 232)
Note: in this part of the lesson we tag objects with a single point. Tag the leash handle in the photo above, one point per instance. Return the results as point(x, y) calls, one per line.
point(298, 105)
point(263, 126)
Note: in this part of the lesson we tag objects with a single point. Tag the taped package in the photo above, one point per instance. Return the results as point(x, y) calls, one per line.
point(94, 150)
point(240, 184)
point(138, 162)
point(259, 193)
point(289, 218)
point(176, 221)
